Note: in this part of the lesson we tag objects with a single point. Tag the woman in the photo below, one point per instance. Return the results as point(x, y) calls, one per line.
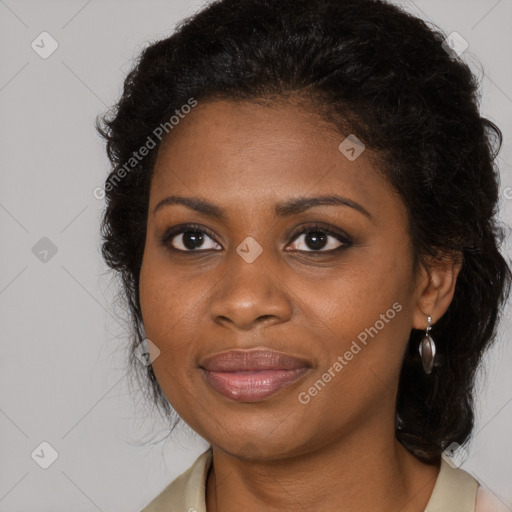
point(301, 208)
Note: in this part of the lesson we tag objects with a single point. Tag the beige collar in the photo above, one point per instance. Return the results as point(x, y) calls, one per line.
point(455, 490)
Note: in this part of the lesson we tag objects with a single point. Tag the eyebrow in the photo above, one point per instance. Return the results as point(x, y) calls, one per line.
point(284, 209)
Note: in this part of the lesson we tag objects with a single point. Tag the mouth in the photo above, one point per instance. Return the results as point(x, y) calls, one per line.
point(252, 376)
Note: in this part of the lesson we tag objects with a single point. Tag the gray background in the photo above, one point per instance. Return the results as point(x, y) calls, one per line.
point(63, 371)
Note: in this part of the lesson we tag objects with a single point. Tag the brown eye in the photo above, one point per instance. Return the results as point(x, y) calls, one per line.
point(189, 239)
point(319, 239)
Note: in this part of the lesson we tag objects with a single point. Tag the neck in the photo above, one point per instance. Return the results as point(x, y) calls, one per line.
point(339, 476)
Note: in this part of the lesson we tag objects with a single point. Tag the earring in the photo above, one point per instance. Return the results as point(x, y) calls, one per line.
point(427, 349)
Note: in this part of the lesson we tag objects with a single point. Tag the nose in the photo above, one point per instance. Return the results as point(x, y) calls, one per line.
point(250, 294)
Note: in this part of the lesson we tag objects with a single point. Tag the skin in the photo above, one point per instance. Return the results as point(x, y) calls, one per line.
point(280, 454)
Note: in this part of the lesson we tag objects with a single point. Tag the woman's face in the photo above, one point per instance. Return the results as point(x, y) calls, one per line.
point(339, 298)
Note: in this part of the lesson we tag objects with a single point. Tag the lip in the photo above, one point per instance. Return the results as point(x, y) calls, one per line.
point(252, 375)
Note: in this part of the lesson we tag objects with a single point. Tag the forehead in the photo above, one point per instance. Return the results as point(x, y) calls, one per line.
point(244, 151)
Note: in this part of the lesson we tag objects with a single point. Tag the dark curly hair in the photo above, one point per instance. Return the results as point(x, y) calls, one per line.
point(375, 71)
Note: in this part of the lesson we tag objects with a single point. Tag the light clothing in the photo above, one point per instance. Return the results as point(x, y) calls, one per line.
point(455, 491)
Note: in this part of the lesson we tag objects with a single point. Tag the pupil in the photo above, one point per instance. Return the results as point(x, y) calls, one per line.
point(192, 239)
point(316, 239)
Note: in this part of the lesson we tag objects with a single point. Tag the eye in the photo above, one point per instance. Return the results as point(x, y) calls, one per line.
point(318, 238)
point(189, 238)
point(194, 238)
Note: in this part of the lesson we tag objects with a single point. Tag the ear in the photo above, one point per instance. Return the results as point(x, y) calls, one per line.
point(435, 287)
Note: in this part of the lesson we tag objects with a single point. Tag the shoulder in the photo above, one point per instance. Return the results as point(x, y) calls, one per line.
point(486, 501)
point(455, 490)
point(458, 491)
point(187, 491)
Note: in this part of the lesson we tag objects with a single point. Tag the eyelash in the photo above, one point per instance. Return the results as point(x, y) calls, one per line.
point(168, 236)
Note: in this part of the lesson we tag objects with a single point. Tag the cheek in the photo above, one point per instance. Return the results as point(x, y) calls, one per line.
point(369, 304)
point(358, 292)
point(168, 317)
point(170, 313)
point(167, 298)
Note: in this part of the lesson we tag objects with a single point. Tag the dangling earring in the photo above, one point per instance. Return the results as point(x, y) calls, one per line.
point(428, 349)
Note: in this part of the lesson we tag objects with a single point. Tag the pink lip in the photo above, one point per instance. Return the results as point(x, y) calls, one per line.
point(250, 376)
